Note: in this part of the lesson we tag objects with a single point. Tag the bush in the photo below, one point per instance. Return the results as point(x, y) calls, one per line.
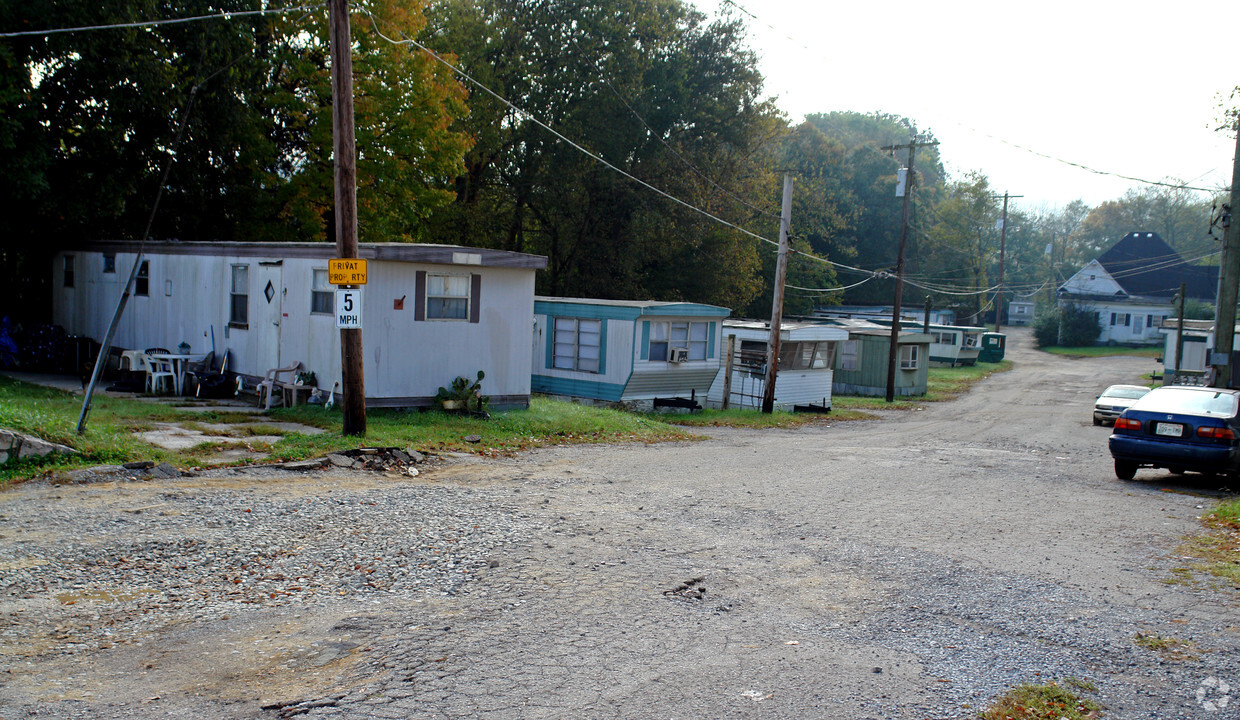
point(1046, 328)
point(1078, 326)
point(1070, 326)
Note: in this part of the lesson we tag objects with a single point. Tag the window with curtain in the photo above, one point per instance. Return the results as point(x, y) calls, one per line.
point(322, 294)
point(447, 297)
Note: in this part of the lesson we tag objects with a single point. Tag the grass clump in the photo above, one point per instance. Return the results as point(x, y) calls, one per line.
point(1172, 647)
point(1041, 702)
point(1219, 549)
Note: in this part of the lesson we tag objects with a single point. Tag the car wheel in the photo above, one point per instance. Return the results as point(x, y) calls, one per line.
point(1125, 469)
point(1097, 422)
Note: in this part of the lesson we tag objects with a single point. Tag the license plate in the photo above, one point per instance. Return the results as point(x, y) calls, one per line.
point(1169, 429)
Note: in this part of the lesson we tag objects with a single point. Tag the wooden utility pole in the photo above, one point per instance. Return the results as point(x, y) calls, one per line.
point(777, 303)
point(1002, 253)
point(727, 371)
point(909, 184)
point(1229, 277)
point(352, 379)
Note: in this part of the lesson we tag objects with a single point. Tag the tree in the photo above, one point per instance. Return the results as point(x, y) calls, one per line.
point(650, 87)
point(962, 244)
point(89, 120)
point(871, 175)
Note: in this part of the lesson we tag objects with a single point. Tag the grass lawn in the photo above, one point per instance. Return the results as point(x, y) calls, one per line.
point(943, 383)
point(1149, 351)
point(114, 422)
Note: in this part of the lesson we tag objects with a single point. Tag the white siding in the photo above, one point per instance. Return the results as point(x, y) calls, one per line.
point(402, 358)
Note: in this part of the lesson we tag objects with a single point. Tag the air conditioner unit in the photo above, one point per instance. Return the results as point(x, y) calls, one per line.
point(678, 355)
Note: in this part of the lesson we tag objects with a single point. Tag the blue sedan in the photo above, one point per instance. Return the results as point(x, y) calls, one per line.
point(1179, 428)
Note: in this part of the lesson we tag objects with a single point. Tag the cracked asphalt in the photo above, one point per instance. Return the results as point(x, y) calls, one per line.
point(910, 567)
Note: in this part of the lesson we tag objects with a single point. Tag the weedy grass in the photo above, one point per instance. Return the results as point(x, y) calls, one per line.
point(1042, 702)
point(547, 422)
point(1171, 647)
point(1218, 550)
point(113, 423)
point(753, 418)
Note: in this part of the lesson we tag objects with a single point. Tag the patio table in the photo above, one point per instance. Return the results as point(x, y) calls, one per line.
point(180, 363)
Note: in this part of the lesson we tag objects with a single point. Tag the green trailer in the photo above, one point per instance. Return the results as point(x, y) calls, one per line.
point(993, 345)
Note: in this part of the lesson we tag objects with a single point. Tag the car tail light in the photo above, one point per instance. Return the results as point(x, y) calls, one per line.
point(1127, 424)
point(1216, 433)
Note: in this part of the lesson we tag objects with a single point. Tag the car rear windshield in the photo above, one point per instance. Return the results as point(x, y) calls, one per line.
point(1183, 400)
point(1125, 392)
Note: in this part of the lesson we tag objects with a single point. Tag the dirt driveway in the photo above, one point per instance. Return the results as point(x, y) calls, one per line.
point(913, 567)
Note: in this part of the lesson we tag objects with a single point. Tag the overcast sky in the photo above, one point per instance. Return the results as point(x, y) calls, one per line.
point(1125, 87)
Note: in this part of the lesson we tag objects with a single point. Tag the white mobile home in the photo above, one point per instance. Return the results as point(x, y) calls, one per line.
point(952, 345)
point(806, 363)
point(430, 313)
point(625, 351)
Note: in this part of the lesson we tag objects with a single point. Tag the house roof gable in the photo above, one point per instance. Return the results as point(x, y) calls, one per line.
point(1145, 265)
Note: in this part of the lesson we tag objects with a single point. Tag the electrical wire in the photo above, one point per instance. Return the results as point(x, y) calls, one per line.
point(521, 113)
point(1178, 186)
point(831, 289)
point(169, 21)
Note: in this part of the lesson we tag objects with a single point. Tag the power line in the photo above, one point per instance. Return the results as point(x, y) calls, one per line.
point(169, 21)
point(521, 113)
point(1087, 168)
point(1096, 171)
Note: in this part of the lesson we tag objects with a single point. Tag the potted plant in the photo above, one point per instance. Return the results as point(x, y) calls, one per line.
point(464, 395)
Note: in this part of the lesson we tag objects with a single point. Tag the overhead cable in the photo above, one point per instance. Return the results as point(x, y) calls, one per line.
point(593, 156)
point(169, 21)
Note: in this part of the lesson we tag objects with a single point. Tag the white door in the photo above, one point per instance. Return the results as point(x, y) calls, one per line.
point(270, 312)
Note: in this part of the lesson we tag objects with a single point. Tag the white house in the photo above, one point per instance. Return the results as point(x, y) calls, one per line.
point(806, 364)
point(635, 352)
point(430, 313)
point(1130, 287)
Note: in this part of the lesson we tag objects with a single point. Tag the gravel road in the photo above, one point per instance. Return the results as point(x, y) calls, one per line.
point(911, 567)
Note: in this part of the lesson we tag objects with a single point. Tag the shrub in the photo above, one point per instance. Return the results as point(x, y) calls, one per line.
point(1078, 326)
point(1046, 328)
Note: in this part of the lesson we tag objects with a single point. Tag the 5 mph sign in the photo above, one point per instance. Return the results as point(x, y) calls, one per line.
point(349, 308)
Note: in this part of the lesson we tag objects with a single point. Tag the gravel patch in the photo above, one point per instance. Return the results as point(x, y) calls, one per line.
point(83, 568)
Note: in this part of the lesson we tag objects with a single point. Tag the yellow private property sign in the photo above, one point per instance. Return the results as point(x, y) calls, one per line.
point(346, 271)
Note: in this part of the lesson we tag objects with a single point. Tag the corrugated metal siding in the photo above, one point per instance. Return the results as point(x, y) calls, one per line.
point(792, 387)
point(670, 381)
point(872, 372)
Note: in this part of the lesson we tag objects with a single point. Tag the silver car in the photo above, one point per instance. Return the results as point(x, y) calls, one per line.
point(1115, 400)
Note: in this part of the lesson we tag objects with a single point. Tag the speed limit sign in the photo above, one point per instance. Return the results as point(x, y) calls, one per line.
point(349, 308)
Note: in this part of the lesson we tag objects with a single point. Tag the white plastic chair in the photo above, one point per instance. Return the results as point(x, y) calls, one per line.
point(159, 373)
point(271, 383)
